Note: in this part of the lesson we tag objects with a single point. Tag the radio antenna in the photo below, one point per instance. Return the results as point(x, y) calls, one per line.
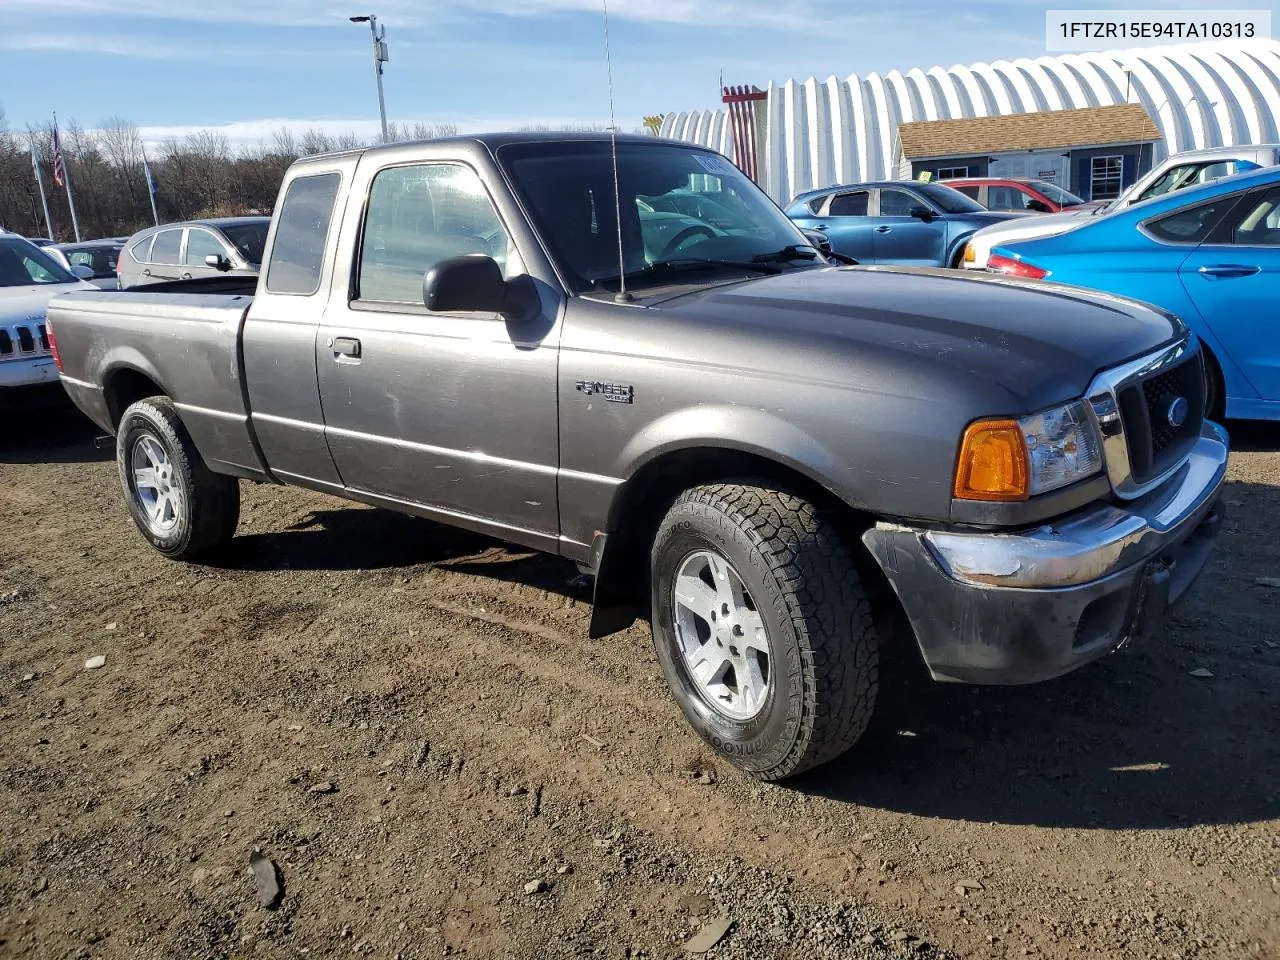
point(622, 296)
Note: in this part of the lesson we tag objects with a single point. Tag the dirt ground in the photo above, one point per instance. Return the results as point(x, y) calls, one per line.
point(411, 723)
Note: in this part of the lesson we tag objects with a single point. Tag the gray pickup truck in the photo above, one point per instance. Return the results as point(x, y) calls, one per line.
point(783, 464)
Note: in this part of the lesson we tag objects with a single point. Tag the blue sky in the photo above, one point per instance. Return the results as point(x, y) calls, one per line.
point(248, 66)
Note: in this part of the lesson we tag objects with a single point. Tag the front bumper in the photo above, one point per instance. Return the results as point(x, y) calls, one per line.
point(1023, 607)
point(28, 372)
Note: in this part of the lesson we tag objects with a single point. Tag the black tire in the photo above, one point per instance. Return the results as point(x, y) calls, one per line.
point(824, 658)
point(206, 506)
point(1214, 394)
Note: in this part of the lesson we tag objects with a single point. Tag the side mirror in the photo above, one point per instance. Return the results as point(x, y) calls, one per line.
point(218, 262)
point(82, 271)
point(468, 284)
point(819, 240)
point(921, 213)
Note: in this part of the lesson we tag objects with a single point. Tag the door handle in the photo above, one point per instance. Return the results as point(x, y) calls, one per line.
point(345, 347)
point(1214, 271)
point(186, 276)
point(821, 228)
point(883, 229)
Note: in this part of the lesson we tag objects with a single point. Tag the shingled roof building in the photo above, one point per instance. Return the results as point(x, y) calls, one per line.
point(1093, 151)
point(814, 133)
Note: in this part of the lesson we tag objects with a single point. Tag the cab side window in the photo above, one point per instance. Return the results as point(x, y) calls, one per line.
point(302, 229)
point(418, 216)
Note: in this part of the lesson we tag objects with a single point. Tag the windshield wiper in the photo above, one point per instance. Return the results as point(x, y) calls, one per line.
point(794, 251)
point(681, 264)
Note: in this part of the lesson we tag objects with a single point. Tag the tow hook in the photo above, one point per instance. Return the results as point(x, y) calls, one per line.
point(104, 442)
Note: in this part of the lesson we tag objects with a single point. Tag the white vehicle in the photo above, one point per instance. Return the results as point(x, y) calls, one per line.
point(1173, 173)
point(29, 279)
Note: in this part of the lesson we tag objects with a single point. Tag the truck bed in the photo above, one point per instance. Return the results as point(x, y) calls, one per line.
point(117, 347)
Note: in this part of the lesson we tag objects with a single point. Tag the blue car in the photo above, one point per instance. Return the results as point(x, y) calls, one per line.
point(898, 221)
point(1210, 255)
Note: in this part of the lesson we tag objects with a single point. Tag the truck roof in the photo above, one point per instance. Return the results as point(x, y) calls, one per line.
point(495, 140)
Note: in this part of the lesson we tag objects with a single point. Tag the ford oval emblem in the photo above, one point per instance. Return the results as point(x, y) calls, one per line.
point(1177, 412)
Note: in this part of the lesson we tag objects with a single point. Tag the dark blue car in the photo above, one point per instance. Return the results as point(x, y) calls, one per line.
point(899, 221)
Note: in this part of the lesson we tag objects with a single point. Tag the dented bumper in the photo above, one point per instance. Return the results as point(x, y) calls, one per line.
point(1022, 607)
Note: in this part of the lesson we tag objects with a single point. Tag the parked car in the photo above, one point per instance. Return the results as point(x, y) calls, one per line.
point(40, 241)
point(1210, 255)
point(902, 222)
point(197, 248)
point(764, 455)
point(29, 277)
point(1177, 172)
point(1013, 193)
point(100, 256)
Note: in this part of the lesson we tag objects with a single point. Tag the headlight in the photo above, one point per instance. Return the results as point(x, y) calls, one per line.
point(1017, 459)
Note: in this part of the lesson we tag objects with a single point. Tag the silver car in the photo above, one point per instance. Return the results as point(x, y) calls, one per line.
point(194, 249)
point(99, 256)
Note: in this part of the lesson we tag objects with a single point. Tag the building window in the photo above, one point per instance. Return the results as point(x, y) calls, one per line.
point(1106, 178)
point(952, 173)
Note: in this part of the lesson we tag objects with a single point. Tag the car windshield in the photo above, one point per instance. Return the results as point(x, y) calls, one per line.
point(100, 258)
point(1063, 198)
point(249, 238)
point(950, 201)
point(23, 264)
point(678, 205)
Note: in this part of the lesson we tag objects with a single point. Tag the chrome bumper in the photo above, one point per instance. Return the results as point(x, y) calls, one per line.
point(1021, 607)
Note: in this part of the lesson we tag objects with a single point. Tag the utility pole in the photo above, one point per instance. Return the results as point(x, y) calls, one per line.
point(379, 58)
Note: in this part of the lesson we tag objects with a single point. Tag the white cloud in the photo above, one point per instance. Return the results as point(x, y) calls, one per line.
point(251, 133)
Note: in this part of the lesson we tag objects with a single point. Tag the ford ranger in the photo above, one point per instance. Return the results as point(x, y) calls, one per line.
point(781, 463)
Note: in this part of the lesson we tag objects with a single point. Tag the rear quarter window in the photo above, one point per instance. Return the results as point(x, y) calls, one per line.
point(302, 228)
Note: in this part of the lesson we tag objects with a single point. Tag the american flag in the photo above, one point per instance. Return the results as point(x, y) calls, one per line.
point(59, 165)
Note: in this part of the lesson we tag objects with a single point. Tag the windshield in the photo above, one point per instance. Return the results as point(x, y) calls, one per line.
point(677, 203)
point(100, 259)
point(249, 238)
point(951, 201)
point(1063, 198)
point(23, 264)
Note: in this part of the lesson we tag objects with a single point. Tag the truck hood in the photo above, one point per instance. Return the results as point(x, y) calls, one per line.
point(19, 304)
point(1024, 345)
point(1029, 227)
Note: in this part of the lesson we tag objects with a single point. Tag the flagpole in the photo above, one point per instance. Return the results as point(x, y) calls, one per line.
point(66, 175)
point(151, 187)
point(35, 168)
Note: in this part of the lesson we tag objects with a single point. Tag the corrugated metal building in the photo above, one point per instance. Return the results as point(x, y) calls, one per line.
point(816, 133)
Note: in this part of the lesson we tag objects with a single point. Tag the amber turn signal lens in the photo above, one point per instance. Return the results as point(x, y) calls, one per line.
point(970, 255)
point(993, 462)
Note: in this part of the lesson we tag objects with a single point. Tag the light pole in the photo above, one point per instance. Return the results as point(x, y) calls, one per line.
point(379, 58)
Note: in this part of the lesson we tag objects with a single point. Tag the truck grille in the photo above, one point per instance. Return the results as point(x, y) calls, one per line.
point(1163, 415)
point(24, 340)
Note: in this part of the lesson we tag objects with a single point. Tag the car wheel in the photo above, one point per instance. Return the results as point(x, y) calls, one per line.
point(1214, 394)
point(762, 627)
point(183, 509)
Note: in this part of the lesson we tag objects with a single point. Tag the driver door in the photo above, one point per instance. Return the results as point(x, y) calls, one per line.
point(903, 239)
point(453, 413)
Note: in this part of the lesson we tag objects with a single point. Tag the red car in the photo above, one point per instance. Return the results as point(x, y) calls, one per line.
point(1008, 193)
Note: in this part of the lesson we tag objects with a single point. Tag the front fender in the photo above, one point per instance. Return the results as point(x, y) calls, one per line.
point(732, 427)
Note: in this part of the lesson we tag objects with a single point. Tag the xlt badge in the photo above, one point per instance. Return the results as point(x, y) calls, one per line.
point(613, 392)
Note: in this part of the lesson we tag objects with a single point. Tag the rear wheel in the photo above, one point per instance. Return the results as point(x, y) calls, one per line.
point(1214, 394)
point(182, 508)
point(762, 627)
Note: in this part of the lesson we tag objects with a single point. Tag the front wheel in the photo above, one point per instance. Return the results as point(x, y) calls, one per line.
point(762, 627)
point(184, 509)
